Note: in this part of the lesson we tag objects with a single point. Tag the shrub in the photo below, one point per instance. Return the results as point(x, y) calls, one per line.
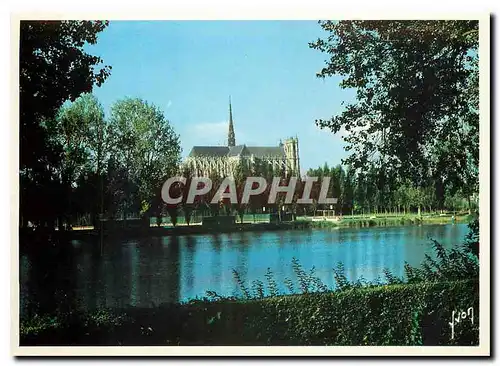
point(405, 314)
point(385, 315)
point(459, 263)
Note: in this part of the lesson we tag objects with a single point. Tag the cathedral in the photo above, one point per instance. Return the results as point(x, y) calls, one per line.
point(222, 160)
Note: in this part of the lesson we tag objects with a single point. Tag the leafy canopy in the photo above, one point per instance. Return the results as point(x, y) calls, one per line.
point(53, 68)
point(416, 107)
point(144, 144)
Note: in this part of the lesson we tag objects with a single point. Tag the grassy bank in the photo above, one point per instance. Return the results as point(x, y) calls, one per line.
point(359, 221)
point(400, 314)
point(29, 236)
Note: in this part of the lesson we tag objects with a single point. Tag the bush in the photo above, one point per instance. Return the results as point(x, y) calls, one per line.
point(409, 314)
point(386, 315)
point(459, 263)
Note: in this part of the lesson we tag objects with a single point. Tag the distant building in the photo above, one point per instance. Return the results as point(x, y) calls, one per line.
point(222, 160)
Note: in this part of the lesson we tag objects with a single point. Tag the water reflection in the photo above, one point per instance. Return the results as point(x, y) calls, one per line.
point(148, 272)
point(188, 251)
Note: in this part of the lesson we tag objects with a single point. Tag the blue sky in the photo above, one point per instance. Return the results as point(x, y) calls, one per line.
point(189, 69)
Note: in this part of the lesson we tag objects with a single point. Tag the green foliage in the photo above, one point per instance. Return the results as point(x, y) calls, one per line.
point(271, 283)
point(458, 263)
point(394, 315)
point(359, 313)
point(145, 146)
point(380, 191)
point(455, 264)
point(416, 108)
point(340, 277)
point(305, 282)
point(53, 323)
point(411, 314)
point(54, 68)
point(68, 148)
point(471, 243)
point(289, 285)
point(145, 206)
point(302, 277)
point(114, 167)
point(258, 289)
point(390, 278)
point(241, 284)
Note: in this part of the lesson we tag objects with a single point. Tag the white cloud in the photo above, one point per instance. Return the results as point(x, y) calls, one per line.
point(203, 134)
point(210, 133)
point(169, 104)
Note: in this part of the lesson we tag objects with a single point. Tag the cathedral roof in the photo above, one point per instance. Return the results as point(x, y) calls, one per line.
point(237, 150)
point(240, 150)
point(266, 151)
point(209, 151)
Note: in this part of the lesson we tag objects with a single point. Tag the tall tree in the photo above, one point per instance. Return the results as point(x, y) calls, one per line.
point(145, 144)
point(53, 68)
point(416, 87)
point(81, 130)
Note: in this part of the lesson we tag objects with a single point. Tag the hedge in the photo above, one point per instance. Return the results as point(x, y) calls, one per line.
point(404, 314)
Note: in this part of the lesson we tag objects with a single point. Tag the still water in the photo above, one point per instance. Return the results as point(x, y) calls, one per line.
point(152, 271)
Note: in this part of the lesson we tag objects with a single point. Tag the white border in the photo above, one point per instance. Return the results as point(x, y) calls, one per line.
point(204, 11)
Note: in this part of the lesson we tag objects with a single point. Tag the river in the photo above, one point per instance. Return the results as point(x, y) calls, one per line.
point(148, 272)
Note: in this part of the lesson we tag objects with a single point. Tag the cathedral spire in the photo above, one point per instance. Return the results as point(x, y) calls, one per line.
point(230, 136)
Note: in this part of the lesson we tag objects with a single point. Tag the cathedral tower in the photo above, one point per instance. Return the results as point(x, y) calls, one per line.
point(231, 141)
point(291, 147)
